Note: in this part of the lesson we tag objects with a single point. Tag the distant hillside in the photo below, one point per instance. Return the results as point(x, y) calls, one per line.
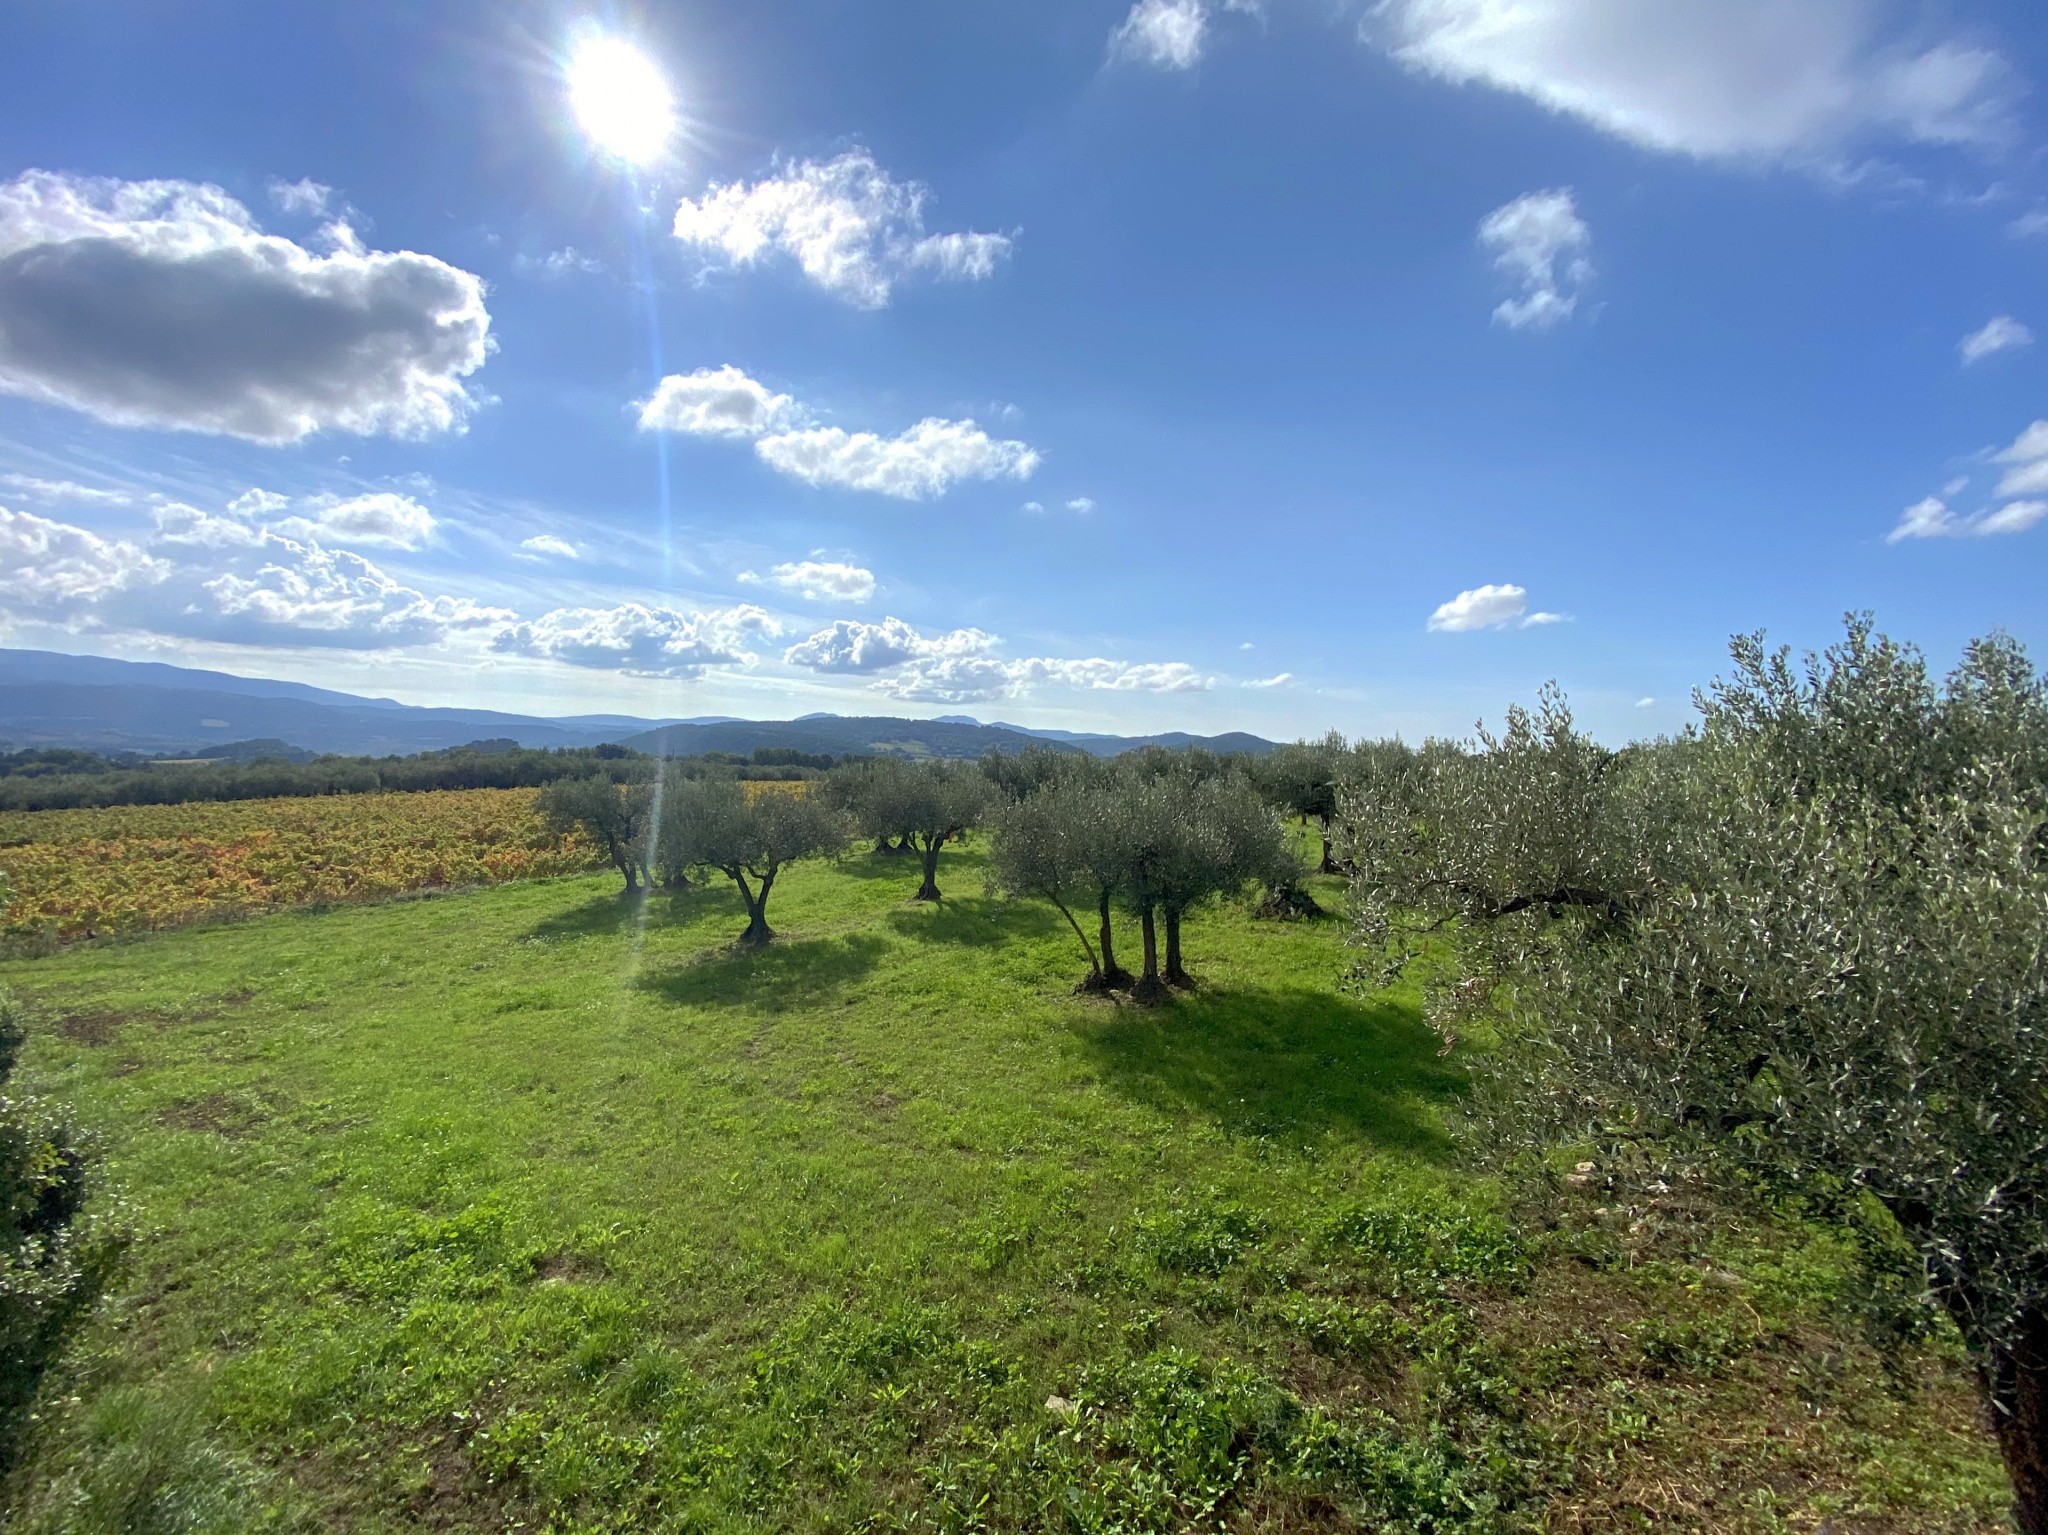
point(952, 736)
point(48, 699)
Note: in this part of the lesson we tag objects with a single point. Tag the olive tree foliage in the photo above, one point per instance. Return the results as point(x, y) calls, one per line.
point(1040, 846)
point(1303, 779)
point(873, 792)
point(617, 817)
point(713, 823)
point(1185, 838)
point(1808, 941)
point(55, 1257)
point(942, 800)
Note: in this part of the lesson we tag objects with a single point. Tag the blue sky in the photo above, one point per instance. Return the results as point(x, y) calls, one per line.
point(1202, 365)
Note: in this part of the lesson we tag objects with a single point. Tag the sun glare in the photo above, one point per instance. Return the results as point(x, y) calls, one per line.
point(620, 100)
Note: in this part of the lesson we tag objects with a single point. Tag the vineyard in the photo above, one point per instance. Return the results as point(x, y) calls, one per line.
point(85, 873)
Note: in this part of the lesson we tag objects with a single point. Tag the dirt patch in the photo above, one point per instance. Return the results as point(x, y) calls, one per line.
point(567, 1268)
point(885, 1104)
point(97, 1027)
point(215, 1114)
point(456, 1495)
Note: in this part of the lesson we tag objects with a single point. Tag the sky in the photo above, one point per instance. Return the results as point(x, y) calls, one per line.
point(1278, 365)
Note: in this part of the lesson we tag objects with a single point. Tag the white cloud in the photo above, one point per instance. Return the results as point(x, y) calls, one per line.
point(853, 645)
point(546, 544)
point(640, 641)
point(822, 579)
point(2028, 457)
point(52, 567)
point(162, 304)
point(1646, 703)
point(1082, 504)
point(177, 523)
point(960, 666)
point(1167, 34)
point(64, 490)
point(302, 196)
point(256, 502)
point(1489, 607)
point(916, 464)
point(1033, 507)
point(717, 402)
point(924, 461)
point(1540, 241)
point(560, 263)
point(1279, 681)
point(852, 229)
point(304, 594)
point(2000, 333)
point(378, 519)
point(1755, 80)
point(978, 678)
point(1932, 517)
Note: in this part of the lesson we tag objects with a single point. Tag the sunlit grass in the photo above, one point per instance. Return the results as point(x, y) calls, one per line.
point(453, 1216)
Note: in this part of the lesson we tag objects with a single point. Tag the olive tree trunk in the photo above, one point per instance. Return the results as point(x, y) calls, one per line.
point(1150, 988)
point(1175, 975)
point(2016, 1380)
point(1112, 973)
point(929, 890)
point(1329, 864)
point(758, 931)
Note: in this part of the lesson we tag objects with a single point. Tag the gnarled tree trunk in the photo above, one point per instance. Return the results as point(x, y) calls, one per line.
point(2015, 1378)
point(1329, 864)
point(1175, 975)
point(929, 890)
point(1150, 988)
point(758, 931)
point(1112, 973)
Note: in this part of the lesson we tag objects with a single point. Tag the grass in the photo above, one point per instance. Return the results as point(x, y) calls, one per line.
point(528, 1208)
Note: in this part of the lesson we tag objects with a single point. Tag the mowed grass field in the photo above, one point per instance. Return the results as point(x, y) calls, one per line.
point(529, 1208)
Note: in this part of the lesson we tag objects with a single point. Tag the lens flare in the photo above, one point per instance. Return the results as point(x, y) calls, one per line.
point(621, 102)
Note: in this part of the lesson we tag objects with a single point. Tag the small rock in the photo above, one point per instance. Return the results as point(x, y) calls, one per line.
point(1060, 1407)
point(1585, 1167)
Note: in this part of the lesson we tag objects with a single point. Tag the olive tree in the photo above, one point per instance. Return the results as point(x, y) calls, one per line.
point(1302, 779)
point(873, 792)
point(713, 823)
point(940, 800)
point(617, 817)
point(1809, 940)
point(55, 1257)
point(1039, 847)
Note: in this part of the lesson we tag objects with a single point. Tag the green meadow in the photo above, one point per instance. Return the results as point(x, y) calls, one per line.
point(534, 1208)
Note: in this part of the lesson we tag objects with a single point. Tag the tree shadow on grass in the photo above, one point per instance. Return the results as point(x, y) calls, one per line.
point(615, 911)
point(976, 921)
point(787, 975)
point(1283, 1062)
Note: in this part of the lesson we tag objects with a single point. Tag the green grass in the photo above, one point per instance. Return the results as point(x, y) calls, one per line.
point(532, 1209)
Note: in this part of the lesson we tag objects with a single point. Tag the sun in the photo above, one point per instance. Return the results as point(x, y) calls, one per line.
point(621, 102)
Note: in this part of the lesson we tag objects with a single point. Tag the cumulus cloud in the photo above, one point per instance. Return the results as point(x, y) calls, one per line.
point(379, 519)
point(49, 568)
point(853, 645)
point(640, 641)
point(1082, 504)
point(2000, 333)
point(915, 465)
point(546, 545)
point(257, 502)
point(63, 490)
point(1167, 34)
point(979, 679)
point(306, 595)
point(1540, 242)
point(162, 304)
point(923, 461)
point(717, 402)
point(852, 228)
point(1489, 607)
point(961, 666)
point(821, 579)
point(1755, 80)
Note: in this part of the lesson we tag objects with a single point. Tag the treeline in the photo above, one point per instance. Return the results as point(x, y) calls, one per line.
point(64, 779)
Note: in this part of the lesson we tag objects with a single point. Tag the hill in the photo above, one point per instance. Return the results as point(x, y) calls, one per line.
point(49, 699)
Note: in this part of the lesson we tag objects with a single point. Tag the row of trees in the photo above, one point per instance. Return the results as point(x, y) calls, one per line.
point(1807, 942)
